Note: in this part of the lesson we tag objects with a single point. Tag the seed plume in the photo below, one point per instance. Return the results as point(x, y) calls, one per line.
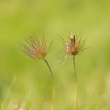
point(35, 47)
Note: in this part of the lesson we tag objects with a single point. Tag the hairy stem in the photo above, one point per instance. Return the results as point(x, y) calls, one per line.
point(52, 106)
point(76, 85)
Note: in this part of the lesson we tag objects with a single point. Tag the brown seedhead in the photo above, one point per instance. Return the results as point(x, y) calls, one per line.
point(36, 48)
point(74, 46)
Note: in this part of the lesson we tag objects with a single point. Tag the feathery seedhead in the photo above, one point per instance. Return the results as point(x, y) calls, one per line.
point(36, 48)
point(74, 47)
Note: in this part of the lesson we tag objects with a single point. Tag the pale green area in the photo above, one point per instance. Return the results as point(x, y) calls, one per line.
point(28, 82)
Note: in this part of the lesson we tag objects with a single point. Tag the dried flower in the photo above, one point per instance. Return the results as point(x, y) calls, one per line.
point(36, 48)
point(73, 48)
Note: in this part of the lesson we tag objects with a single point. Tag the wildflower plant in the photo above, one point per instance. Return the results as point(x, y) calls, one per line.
point(72, 48)
point(37, 49)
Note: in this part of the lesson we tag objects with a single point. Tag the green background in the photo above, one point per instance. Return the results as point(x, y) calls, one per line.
point(27, 82)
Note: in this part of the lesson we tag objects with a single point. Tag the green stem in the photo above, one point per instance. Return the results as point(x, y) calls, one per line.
point(76, 85)
point(52, 106)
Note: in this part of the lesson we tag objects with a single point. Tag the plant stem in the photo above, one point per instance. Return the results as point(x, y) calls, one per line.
point(76, 84)
point(52, 106)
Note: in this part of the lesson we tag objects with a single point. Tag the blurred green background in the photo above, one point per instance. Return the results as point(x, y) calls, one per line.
point(27, 82)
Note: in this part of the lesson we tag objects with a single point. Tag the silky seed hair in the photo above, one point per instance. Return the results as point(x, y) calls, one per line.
point(36, 47)
point(73, 47)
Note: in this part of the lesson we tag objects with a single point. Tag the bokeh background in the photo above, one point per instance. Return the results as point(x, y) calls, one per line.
point(26, 82)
